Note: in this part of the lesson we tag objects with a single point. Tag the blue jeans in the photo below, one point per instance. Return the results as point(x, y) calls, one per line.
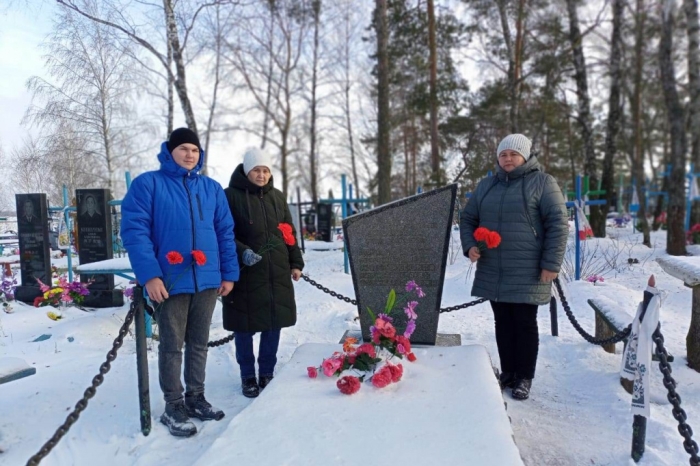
point(267, 352)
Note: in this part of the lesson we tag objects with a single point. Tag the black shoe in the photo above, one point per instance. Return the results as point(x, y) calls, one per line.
point(264, 381)
point(177, 420)
point(250, 388)
point(522, 389)
point(507, 380)
point(197, 406)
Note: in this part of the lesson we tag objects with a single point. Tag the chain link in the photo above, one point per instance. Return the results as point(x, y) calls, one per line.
point(354, 301)
point(327, 291)
point(89, 392)
point(618, 337)
point(221, 342)
point(463, 306)
point(691, 447)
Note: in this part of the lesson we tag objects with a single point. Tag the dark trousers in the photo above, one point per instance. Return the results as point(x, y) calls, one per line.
point(267, 352)
point(517, 337)
point(184, 319)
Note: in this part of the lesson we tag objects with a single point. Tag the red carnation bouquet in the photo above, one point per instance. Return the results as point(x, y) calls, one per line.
point(373, 358)
point(175, 258)
point(486, 239)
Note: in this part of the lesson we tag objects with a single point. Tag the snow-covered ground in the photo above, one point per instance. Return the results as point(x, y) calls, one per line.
point(578, 414)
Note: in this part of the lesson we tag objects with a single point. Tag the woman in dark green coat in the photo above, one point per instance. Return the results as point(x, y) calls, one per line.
point(263, 298)
point(526, 207)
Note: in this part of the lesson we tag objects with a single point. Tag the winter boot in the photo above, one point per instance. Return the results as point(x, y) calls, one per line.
point(250, 387)
point(175, 417)
point(264, 381)
point(199, 407)
point(522, 389)
point(507, 380)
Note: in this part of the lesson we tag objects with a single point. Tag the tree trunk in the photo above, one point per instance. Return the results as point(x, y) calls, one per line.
point(171, 95)
point(693, 29)
point(383, 118)
point(584, 114)
point(270, 67)
point(217, 81)
point(180, 76)
point(508, 41)
point(675, 239)
point(434, 141)
point(692, 340)
point(638, 152)
point(614, 106)
point(316, 6)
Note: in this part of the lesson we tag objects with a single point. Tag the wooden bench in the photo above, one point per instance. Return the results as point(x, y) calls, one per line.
point(688, 270)
point(609, 320)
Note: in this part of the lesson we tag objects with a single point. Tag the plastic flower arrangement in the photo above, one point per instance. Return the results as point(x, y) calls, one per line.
point(595, 279)
point(8, 286)
point(372, 361)
point(62, 293)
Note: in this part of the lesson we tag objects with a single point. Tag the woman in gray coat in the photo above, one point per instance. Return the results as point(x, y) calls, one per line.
point(526, 207)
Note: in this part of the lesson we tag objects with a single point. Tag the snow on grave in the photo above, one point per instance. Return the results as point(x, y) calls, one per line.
point(447, 409)
point(13, 369)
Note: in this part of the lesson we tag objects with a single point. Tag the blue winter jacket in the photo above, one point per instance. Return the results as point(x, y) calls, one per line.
point(172, 209)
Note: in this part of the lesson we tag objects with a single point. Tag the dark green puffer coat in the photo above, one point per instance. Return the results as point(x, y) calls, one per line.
point(527, 208)
point(263, 297)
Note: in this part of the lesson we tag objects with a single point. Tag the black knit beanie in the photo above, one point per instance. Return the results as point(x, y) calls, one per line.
point(182, 136)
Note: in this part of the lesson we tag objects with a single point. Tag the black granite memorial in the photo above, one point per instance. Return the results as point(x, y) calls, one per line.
point(95, 244)
point(34, 250)
point(324, 221)
point(398, 242)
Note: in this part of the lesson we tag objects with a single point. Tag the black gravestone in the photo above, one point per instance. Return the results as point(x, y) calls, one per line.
point(398, 242)
point(34, 251)
point(324, 219)
point(95, 244)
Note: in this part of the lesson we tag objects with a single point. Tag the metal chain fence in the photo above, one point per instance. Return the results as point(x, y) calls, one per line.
point(619, 336)
point(89, 392)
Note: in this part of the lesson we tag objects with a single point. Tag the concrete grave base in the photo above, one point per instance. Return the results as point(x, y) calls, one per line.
point(13, 369)
point(443, 339)
point(448, 406)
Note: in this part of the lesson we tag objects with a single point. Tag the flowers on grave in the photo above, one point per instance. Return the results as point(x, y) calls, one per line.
point(693, 235)
point(8, 286)
point(486, 239)
point(595, 279)
point(372, 361)
point(61, 293)
point(129, 290)
point(287, 234)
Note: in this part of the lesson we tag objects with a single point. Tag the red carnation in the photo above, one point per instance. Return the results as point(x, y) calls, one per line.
point(493, 240)
point(402, 340)
point(287, 234)
point(367, 348)
point(38, 300)
point(174, 258)
point(411, 357)
point(199, 257)
point(481, 233)
point(348, 384)
point(396, 372)
point(313, 372)
point(382, 377)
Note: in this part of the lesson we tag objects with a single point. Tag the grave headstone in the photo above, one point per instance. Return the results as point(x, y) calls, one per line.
point(95, 244)
point(398, 242)
point(34, 251)
point(324, 220)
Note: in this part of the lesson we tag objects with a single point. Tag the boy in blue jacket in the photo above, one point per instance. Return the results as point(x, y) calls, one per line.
point(178, 230)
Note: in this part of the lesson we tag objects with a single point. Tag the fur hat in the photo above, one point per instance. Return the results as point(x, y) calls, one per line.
point(517, 142)
point(255, 157)
point(182, 136)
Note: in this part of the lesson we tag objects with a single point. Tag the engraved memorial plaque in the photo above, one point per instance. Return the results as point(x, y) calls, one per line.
point(398, 242)
point(95, 244)
point(34, 251)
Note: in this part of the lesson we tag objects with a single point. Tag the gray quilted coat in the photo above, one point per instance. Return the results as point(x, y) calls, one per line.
point(527, 208)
